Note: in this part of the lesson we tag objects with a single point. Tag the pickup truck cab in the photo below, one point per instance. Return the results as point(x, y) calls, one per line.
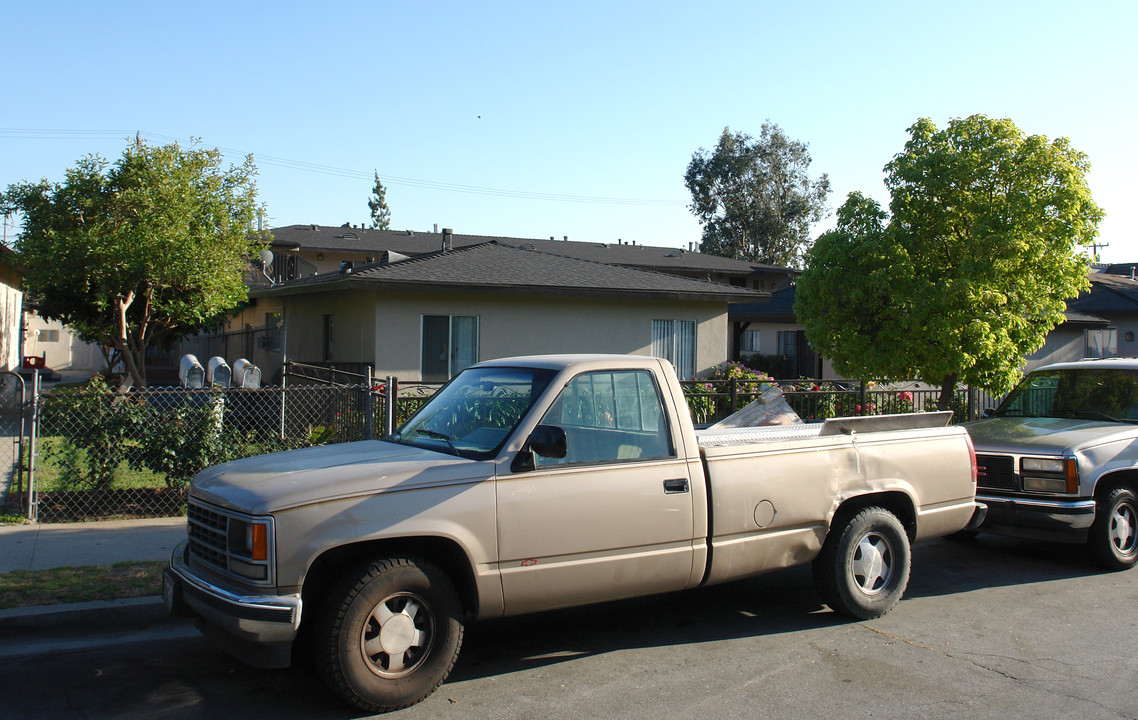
point(528, 484)
point(1059, 459)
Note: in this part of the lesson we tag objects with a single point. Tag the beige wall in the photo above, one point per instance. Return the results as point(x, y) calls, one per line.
point(527, 325)
point(11, 307)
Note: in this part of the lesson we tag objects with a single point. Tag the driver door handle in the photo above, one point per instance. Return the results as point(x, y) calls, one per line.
point(673, 487)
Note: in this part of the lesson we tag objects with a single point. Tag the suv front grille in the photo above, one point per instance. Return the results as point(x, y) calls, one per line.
point(996, 472)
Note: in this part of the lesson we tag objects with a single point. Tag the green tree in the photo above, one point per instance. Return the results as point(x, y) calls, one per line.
point(377, 203)
point(135, 254)
point(969, 270)
point(754, 198)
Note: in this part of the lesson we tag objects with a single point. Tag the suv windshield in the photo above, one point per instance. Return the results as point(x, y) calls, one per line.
point(474, 414)
point(1091, 393)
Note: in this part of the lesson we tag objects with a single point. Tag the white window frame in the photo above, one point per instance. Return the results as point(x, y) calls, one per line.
point(1100, 343)
point(676, 342)
point(454, 363)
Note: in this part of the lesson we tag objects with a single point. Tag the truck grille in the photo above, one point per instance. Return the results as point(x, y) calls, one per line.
point(232, 543)
point(207, 532)
point(996, 472)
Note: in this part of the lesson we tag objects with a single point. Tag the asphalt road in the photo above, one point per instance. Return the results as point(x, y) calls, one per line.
point(996, 629)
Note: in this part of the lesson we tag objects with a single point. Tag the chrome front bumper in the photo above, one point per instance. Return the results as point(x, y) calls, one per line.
point(258, 629)
point(1031, 517)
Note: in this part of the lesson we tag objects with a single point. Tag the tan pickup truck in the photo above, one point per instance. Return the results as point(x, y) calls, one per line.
point(535, 483)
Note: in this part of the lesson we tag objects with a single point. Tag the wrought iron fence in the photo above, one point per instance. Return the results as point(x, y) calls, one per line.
point(713, 400)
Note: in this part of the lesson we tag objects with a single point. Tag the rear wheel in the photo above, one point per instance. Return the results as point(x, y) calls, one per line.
point(389, 634)
point(863, 568)
point(1113, 539)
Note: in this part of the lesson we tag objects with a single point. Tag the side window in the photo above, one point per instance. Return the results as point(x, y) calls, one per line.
point(610, 416)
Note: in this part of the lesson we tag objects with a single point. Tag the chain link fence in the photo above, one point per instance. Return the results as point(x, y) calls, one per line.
point(96, 454)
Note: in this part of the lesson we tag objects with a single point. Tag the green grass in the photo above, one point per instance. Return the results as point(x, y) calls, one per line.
point(25, 588)
point(11, 518)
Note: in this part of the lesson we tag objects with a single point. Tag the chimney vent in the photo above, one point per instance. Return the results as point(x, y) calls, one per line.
point(448, 239)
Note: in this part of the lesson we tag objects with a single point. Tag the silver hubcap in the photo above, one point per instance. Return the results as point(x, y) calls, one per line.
point(397, 636)
point(872, 563)
point(1124, 529)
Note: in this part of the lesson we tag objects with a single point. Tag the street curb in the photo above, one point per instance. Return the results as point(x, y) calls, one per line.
point(126, 614)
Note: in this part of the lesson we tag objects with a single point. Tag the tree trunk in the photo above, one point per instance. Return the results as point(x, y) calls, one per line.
point(131, 360)
point(947, 392)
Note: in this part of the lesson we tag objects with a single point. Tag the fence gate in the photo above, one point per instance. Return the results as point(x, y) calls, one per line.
point(15, 424)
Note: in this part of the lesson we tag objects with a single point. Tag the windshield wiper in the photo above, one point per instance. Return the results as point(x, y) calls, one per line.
point(439, 436)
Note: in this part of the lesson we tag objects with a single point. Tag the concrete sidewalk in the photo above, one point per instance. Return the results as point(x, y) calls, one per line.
point(43, 546)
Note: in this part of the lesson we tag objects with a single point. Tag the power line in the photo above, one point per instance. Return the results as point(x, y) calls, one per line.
point(303, 166)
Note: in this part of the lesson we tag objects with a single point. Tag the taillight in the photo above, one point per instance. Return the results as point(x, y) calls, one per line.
point(972, 457)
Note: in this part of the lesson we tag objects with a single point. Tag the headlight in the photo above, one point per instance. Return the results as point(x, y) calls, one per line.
point(1050, 475)
point(249, 548)
point(1047, 465)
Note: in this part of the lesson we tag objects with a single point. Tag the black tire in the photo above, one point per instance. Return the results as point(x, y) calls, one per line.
point(863, 568)
point(1113, 538)
point(389, 634)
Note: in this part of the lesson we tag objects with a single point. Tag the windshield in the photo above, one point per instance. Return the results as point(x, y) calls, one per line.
point(1091, 394)
point(474, 414)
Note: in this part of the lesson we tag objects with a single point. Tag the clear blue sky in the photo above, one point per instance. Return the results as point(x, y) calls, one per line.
point(533, 119)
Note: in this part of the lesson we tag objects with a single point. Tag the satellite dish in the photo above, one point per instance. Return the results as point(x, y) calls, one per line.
point(267, 259)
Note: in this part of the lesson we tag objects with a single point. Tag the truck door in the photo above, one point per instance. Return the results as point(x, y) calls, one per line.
point(611, 519)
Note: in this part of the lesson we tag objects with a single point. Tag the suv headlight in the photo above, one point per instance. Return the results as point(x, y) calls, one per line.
point(1051, 475)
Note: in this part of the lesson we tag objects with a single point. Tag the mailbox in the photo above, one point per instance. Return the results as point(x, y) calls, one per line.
point(246, 374)
point(190, 373)
point(218, 373)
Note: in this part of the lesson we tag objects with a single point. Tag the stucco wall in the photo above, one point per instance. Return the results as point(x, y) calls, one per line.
point(527, 325)
point(11, 306)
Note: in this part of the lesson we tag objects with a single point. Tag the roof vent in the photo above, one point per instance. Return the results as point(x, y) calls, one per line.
point(526, 246)
point(390, 256)
point(448, 239)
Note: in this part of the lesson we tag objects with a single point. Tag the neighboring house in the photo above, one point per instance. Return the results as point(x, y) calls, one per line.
point(1102, 322)
point(11, 307)
point(58, 348)
point(304, 250)
point(426, 317)
point(772, 329)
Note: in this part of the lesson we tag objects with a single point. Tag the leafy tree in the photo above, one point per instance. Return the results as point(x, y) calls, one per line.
point(135, 254)
point(754, 198)
point(377, 203)
point(970, 269)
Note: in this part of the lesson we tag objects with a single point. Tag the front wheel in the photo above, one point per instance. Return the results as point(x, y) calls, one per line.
point(389, 634)
point(1113, 539)
point(863, 568)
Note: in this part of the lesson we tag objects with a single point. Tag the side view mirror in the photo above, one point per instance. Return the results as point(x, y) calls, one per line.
point(548, 441)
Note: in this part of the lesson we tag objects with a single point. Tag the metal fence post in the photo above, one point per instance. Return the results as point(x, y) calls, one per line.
point(33, 509)
point(391, 401)
point(369, 396)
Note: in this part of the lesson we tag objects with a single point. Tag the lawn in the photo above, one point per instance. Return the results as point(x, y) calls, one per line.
point(24, 588)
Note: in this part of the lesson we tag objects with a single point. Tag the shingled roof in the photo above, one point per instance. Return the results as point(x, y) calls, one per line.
point(497, 267)
point(373, 242)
